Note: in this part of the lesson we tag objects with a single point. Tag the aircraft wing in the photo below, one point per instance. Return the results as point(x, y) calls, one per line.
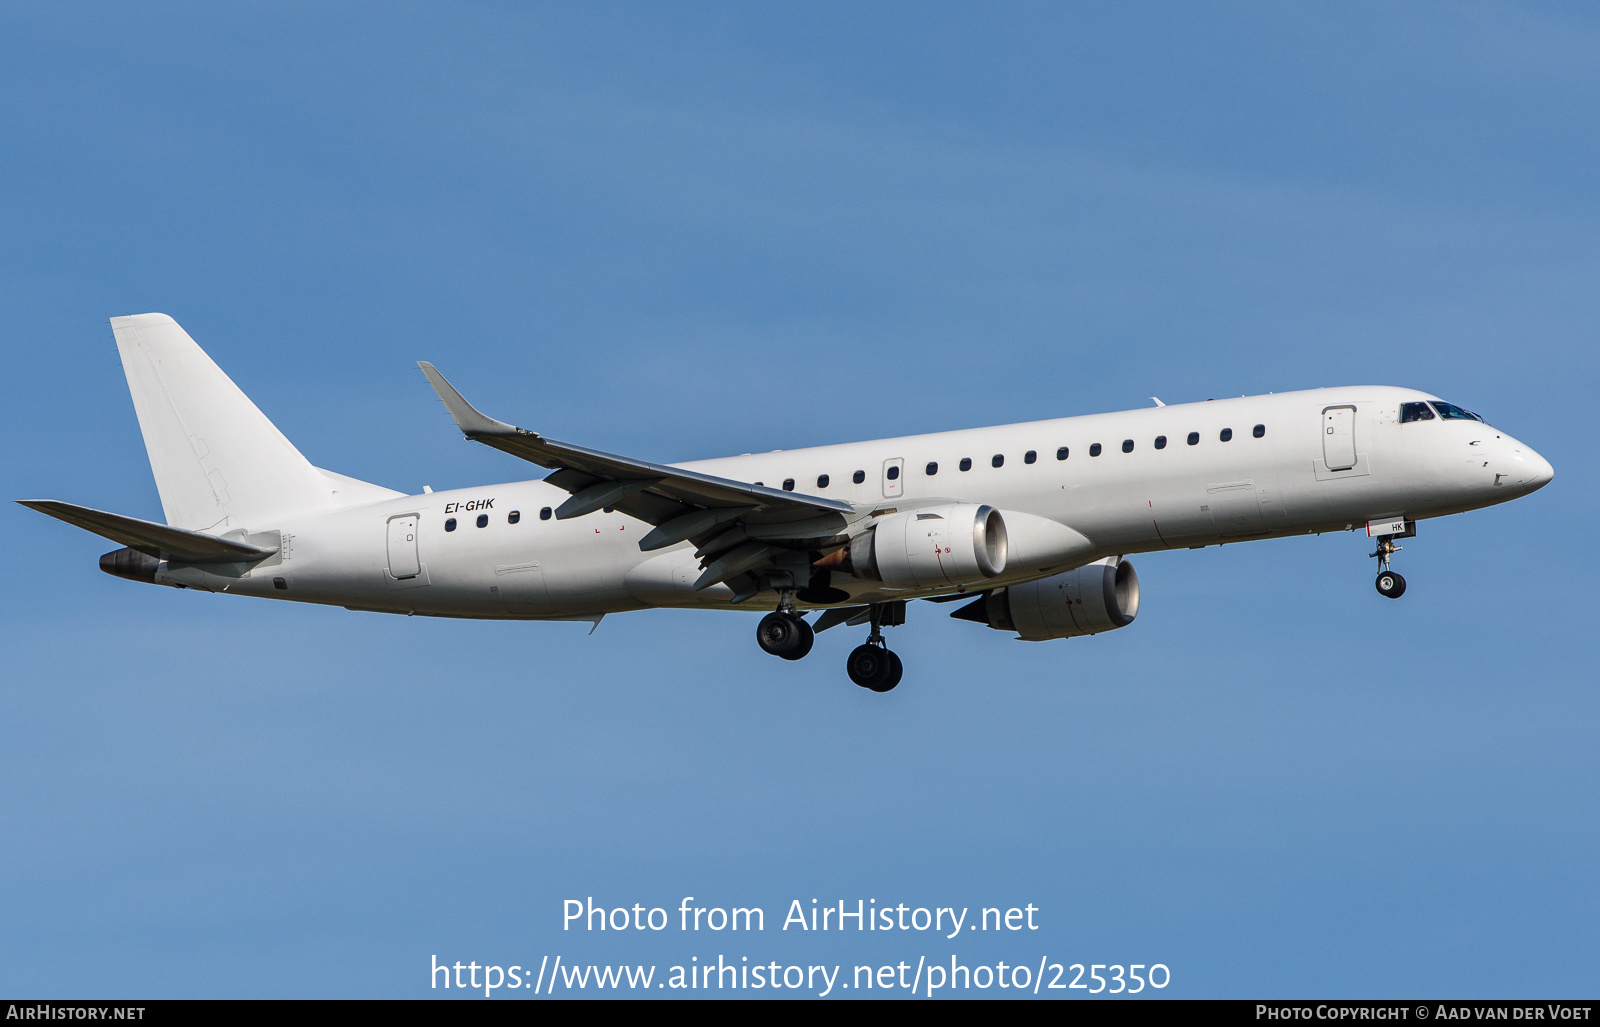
point(737, 526)
point(149, 537)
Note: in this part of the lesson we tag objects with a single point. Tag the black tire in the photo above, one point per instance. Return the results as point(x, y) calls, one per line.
point(870, 666)
point(896, 669)
point(1391, 585)
point(785, 636)
point(808, 638)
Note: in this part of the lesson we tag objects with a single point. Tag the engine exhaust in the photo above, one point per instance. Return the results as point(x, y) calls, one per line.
point(131, 564)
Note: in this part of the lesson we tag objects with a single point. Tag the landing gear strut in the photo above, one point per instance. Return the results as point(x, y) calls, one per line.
point(874, 665)
point(1390, 584)
point(783, 633)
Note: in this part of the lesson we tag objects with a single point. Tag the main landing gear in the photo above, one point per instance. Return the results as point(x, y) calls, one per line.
point(1390, 584)
point(785, 634)
point(874, 665)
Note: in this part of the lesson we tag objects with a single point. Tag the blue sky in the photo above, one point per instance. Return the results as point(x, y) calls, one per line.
point(681, 232)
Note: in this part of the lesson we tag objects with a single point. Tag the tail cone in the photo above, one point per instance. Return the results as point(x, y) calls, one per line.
point(131, 564)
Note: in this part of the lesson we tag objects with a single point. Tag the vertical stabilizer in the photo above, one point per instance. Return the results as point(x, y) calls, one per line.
point(219, 463)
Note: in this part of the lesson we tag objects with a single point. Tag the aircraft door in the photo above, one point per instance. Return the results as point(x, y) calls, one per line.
point(893, 478)
point(1235, 509)
point(521, 585)
point(1339, 438)
point(403, 562)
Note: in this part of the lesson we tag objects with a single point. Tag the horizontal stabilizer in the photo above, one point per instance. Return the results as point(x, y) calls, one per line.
point(149, 537)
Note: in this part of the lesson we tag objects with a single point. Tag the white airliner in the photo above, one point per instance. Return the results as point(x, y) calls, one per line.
point(1031, 523)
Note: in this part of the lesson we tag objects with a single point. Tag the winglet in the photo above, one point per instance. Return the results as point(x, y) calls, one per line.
point(467, 417)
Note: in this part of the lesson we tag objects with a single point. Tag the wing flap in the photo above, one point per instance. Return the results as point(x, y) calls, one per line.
point(606, 493)
point(687, 526)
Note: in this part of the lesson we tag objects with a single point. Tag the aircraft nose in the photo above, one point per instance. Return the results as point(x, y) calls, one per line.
point(1539, 471)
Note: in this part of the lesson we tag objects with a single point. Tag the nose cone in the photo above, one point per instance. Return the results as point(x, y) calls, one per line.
point(1539, 471)
point(1518, 466)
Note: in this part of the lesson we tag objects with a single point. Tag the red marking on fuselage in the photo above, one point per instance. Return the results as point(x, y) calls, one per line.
point(1157, 526)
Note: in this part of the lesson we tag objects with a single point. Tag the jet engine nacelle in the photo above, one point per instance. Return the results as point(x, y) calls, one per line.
point(960, 544)
point(1098, 597)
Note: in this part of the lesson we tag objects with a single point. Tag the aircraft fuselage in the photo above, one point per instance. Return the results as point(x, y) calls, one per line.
point(1225, 471)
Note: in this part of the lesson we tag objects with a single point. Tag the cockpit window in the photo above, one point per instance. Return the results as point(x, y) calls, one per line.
point(1415, 412)
point(1451, 412)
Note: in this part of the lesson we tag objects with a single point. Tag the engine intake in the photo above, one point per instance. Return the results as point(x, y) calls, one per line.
point(1098, 597)
point(944, 545)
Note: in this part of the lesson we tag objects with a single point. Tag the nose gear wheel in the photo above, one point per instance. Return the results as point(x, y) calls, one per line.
point(1389, 584)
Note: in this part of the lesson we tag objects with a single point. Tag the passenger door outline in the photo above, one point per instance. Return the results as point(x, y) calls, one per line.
point(404, 562)
point(1339, 437)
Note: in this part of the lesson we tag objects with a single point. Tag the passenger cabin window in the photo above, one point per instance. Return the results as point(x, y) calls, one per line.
point(1415, 412)
point(1194, 438)
point(1061, 454)
point(483, 520)
point(1226, 435)
point(997, 460)
point(859, 477)
point(1127, 445)
point(1030, 456)
point(822, 481)
point(450, 524)
point(893, 472)
point(932, 468)
point(1094, 450)
point(1161, 442)
point(514, 516)
point(966, 463)
point(1259, 430)
point(544, 515)
point(788, 484)
point(1451, 412)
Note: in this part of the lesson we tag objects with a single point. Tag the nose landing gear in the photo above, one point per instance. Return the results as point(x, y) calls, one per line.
point(1389, 584)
